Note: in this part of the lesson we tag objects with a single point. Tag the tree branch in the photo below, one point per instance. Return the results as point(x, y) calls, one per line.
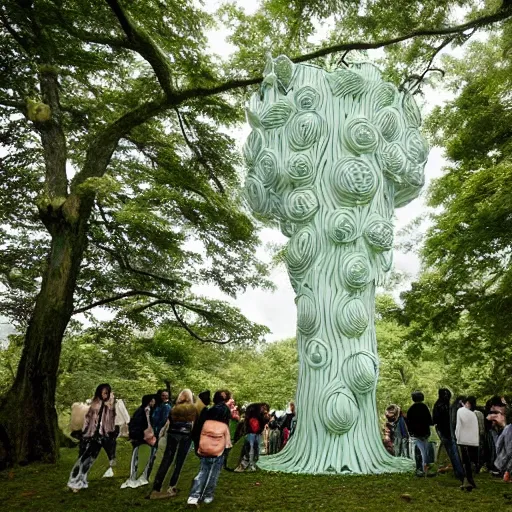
point(197, 152)
point(104, 144)
point(102, 147)
point(125, 265)
point(131, 293)
point(20, 40)
point(504, 13)
point(145, 46)
point(172, 303)
point(428, 69)
point(20, 105)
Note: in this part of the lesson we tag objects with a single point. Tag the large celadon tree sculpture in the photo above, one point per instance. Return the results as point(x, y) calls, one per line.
point(330, 156)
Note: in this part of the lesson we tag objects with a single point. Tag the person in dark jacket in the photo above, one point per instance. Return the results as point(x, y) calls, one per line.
point(256, 417)
point(441, 419)
point(418, 423)
point(140, 431)
point(181, 420)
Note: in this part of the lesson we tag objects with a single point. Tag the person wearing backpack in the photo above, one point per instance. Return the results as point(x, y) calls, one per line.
point(214, 440)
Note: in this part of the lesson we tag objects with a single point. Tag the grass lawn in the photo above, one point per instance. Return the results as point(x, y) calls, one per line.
point(43, 488)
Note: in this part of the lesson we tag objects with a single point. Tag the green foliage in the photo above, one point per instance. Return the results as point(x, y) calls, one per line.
point(461, 303)
point(168, 214)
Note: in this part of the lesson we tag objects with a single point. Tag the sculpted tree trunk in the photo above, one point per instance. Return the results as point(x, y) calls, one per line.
point(330, 156)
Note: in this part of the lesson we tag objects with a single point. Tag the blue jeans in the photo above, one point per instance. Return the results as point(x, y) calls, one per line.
point(250, 451)
point(422, 444)
point(203, 485)
point(452, 451)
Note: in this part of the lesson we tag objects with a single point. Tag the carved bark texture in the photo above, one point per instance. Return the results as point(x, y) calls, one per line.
point(330, 156)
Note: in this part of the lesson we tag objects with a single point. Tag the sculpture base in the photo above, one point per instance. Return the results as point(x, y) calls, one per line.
point(291, 461)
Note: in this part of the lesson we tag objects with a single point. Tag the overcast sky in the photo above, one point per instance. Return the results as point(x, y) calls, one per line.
point(276, 309)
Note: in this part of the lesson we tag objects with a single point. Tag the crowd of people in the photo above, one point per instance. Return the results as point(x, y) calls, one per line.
point(189, 421)
point(474, 438)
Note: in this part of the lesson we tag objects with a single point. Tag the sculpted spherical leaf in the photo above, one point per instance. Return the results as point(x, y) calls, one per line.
point(355, 270)
point(276, 115)
point(267, 169)
point(384, 95)
point(307, 98)
point(405, 193)
point(360, 136)
point(343, 226)
point(252, 147)
point(308, 319)
point(305, 130)
point(283, 68)
point(414, 175)
point(354, 181)
point(360, 372)
point(301, 250)
point(317, 353)
point(300, 169)
point(352, 318)
point(257, 196)
point(288, 228)
point(417, 147)
point(388, 122)
point(411, 111)
point(300, 205)
point(345, 82)
point(379, 234)
point(338, 410)
point(393, 162)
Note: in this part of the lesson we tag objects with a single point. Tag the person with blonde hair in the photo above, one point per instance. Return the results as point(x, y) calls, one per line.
point(179, 428)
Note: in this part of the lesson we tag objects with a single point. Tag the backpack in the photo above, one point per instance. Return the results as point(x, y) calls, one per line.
point(212, 441)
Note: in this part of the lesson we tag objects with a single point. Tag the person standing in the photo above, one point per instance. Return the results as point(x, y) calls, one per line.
point(467, 435)
point(141, 433)
point(98, 432)
point(441, 419)
point(256, 417)
point(418, 423)
point(503, 461)
point(211, 445)
point(182, 418)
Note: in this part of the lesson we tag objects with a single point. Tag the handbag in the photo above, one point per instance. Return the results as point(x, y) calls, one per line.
point(149, 434)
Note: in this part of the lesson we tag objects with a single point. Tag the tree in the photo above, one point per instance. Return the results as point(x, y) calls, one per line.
point(462, 301)
point(114, 163)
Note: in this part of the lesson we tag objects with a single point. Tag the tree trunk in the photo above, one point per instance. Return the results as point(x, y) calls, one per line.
point(28, 419)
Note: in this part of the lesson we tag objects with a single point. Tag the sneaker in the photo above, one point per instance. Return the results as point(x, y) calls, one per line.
point(132, 484)
point(171, 492)
point(208, 500)
point(108, 474)
point(252, 468)
point(142, 480)
point(239, 469)
point(193, 501)
point(158, 495)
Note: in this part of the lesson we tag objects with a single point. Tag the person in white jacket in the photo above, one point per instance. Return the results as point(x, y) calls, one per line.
point(467, 435)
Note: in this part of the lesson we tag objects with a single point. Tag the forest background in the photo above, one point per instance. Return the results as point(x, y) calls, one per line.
point(160, 211)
